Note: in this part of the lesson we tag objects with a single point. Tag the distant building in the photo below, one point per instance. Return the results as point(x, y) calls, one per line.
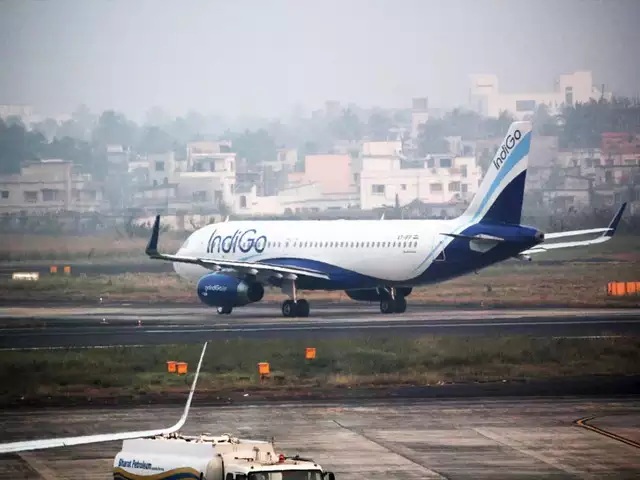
point(49, 186)
point(620, 148)
point(387, 178)
point(487, 99)
point(25, 112)
point(331, 172)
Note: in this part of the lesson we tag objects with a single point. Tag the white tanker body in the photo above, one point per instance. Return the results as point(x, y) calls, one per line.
point(209, 458)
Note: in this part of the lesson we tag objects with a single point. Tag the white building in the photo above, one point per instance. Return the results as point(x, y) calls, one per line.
point(162, 168)
point(25, 112)
point(435, 179)
point(298, 199)
point(486, 98)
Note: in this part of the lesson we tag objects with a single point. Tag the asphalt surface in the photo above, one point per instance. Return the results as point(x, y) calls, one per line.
point(58, 327)
point(482, 438)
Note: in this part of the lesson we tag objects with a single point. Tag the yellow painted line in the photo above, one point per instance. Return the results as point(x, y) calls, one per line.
point(583, 422)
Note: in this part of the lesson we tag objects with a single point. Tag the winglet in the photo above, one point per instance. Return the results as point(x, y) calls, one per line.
point(152, 246)
point(27, 445)
point(613, 226)
point(187, 406)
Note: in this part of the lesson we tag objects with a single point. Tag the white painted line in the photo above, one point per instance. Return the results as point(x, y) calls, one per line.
point(386, 326)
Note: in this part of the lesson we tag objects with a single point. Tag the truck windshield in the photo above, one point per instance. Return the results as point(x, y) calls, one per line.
point(287, 475)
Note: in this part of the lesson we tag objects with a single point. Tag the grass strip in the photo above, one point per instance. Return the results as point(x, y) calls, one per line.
point(511, 284)
point(231, 365)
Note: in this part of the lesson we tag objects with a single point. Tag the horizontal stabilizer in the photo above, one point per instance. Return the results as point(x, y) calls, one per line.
point(478, 238)
point(606, 235)
point(554, 246)
point(575, 233)
point(27, 445)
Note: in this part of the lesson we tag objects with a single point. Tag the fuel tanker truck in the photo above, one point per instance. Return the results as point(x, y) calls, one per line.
point(165, 454)
point(207, 457)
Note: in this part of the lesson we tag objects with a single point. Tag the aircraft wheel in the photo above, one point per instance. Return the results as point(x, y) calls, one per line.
point(401, 305)
point(288, 308)
point(224, 310)
point(387, 305)
point(302, 308)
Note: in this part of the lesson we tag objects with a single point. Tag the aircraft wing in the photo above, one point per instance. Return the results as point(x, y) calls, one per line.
point(104, 437)
point(606, 235)
point(215, 263)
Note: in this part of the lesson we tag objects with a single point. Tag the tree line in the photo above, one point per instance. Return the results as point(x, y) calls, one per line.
point(82, 139)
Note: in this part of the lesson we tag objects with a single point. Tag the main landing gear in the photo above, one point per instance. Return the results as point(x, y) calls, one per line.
point(392, 302)
point(294, 307)
point(224, 310)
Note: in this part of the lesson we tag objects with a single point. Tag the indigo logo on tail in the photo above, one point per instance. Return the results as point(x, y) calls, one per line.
point(505, 148)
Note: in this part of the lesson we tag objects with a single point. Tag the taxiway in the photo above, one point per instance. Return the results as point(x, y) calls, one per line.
point(59, 327)
point(443, 439)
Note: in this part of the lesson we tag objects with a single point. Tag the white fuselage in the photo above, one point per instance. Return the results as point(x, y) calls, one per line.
point(392, 250)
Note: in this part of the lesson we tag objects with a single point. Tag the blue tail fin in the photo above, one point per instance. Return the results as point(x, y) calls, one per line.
point(499, 198)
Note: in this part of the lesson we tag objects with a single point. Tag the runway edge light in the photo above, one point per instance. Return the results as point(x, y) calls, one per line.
point(310, 353)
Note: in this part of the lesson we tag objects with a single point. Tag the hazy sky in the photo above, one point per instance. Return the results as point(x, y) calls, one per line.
point(262, 57)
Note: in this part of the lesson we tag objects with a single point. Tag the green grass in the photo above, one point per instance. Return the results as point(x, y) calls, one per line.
point(105, 247)
point(232, 365)
point(510, 284)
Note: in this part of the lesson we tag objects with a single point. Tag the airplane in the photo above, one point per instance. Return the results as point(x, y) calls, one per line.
point(42, 444)
point(371, 260)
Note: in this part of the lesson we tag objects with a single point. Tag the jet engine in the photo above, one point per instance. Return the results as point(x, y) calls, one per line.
point(373, 294)
point(220, 290)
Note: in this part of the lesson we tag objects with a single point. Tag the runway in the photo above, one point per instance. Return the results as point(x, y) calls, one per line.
point(59, 327)
point(481, 438)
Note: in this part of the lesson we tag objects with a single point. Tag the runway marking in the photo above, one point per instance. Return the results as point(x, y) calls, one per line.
point(587, 337)
point(583, 422)
point(36, 464)
point(311, 326)
point(508, 442)
point(88, 347)
point(399, 450)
